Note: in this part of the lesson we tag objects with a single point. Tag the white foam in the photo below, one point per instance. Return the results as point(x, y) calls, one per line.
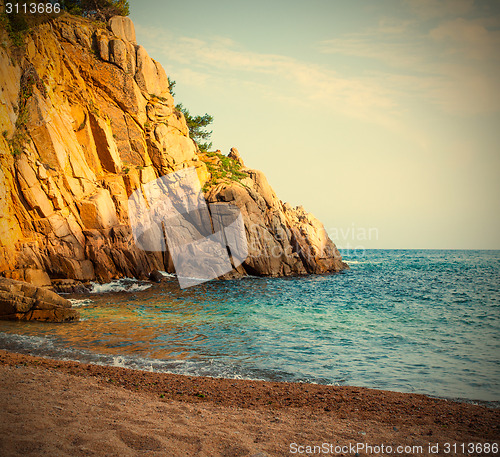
point(119, 285)
point(26, 341)
point(138, 287)
point(77, 303)
point(118, 361)
point(167, 275)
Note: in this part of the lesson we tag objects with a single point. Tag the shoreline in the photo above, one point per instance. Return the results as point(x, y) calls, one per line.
point(338, 413)
point(195, 388)
point(79, 368)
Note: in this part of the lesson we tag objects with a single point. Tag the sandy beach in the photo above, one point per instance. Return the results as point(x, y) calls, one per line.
point(60, 408)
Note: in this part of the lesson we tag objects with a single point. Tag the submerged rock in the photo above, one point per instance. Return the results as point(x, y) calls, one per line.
point(156, 276)
point(25, 302)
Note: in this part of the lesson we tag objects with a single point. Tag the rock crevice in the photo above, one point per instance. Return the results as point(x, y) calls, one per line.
point(97, 123)
point(22, 301)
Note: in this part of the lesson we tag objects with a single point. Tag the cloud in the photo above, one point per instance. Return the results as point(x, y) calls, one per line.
point(450, 63)
point(471, 63)
point(428, 9)
point(192, 78)
point(224, 62)
point(454, 65)
point(469, 39)
point(369, 45)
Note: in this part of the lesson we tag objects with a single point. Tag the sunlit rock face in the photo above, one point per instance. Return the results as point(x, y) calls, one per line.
point(87, 119)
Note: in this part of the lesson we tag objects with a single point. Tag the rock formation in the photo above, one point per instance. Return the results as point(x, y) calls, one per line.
point(22, 301)
point(87, 118)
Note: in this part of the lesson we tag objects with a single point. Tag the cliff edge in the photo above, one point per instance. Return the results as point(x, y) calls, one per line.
point(87, 118)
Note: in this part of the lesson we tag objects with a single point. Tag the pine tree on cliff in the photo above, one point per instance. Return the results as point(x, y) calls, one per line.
point(197, 125)
point(97, 9)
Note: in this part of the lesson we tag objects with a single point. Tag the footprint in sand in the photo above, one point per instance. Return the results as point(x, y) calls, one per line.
point(140, 442)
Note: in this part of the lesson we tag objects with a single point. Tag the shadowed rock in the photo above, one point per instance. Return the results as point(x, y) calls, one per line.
point(25, 302)
point(64, 194)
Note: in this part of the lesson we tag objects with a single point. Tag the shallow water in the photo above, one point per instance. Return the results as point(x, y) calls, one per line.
point(411, 321)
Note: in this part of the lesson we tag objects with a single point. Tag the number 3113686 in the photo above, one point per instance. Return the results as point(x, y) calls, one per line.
point(32, 8)
point(471, 448)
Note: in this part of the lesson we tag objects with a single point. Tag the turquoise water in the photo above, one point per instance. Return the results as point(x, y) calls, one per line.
point(405, 320)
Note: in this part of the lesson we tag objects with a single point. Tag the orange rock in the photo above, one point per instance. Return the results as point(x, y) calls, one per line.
point(98, 128)
point(23, 301)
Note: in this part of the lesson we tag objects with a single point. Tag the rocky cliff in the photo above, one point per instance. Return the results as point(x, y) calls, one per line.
point(87, 118)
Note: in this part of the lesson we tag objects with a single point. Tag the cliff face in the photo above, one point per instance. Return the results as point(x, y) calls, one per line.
point(87, 118)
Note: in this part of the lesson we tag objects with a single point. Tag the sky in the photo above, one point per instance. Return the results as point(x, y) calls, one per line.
point(382, 118)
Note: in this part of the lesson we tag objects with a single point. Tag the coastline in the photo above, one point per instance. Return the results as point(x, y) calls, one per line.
point(257, 417)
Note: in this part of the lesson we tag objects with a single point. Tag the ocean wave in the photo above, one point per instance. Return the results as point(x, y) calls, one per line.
point(77, 303)
point(15, 342)
point(358, 262)
point(167, 275)
point(49, 347)
point(120, 285)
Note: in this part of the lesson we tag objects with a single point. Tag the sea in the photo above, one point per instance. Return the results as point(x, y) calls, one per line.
point(422, 321)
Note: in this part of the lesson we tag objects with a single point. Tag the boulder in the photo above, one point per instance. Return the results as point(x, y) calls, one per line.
point(37, 277)
point(177, 147)
point(235, 155)
point(123, 27)
point(150, 75)
point(122, 54)
point(98, 211)
point(156, 276)
point(70, 286)
point(82, 36)
point(22, 301)
point(102, 42)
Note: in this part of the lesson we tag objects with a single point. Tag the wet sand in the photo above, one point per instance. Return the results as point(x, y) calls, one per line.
point(58, 408)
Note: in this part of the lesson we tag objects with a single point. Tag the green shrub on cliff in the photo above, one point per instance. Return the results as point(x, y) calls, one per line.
point(197, 125)
point(224, 168)
point(16, 26)
point(171, 85)
point(96, 9)
point(20, 138)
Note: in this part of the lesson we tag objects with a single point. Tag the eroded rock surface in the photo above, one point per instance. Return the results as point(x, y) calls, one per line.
point(87, 119)
point(24, 302)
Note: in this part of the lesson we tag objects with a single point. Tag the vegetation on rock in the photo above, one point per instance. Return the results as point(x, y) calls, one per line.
point(197, 127)
point(218, 165)
point(96, 9)
point(221, 167)
point(171, 85)
point(20, 137)
point(16, 27)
